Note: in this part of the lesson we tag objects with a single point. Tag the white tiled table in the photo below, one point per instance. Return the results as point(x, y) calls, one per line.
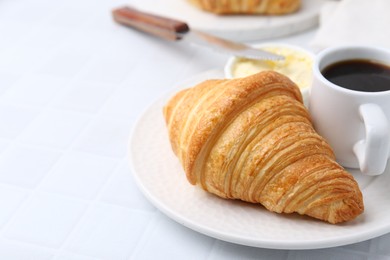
point(72, 84)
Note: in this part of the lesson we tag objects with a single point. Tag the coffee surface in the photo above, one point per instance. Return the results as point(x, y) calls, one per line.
point(359, 75)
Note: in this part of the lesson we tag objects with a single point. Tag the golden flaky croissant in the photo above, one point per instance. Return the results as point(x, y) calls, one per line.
point(252, 139)
point(273, 7)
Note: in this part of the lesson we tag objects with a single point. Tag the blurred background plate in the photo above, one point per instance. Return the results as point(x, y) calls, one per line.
point(238, 27)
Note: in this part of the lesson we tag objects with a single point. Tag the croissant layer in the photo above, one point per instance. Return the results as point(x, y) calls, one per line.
point(252, 139)
point(273, 7)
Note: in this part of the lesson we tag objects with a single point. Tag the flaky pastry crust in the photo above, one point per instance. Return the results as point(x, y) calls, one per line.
point(252, 139)
point(270, 7)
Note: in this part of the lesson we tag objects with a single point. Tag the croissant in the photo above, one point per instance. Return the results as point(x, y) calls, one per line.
point(252, 139)
point(274, 7)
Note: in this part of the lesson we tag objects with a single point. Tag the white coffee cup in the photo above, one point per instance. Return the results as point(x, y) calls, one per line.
point(355, 123)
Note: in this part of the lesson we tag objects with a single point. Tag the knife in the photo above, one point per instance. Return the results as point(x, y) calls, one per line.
point(175, 30)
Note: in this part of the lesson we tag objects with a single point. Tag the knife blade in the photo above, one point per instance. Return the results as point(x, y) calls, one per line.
point(175, 30)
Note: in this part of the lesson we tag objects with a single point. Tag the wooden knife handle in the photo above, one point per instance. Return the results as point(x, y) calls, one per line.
point(153, 24)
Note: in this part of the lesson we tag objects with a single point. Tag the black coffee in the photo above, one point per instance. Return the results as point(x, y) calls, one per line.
point(360, 75)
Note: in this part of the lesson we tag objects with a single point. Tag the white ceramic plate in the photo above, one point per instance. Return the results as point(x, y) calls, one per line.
point(238, 27)
point(161, 178)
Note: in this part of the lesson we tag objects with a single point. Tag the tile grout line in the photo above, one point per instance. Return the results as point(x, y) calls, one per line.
point(37, 188)
point(143, 238)
point(212, 249)
point(16, 141)
point(92, 202)
point(32, 192)
point(72, 80)
point(94, 116)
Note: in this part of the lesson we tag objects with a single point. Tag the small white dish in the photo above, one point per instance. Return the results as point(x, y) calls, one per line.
point(297, 65)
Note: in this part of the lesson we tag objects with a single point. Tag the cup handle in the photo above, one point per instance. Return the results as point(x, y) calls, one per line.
point(372, 152)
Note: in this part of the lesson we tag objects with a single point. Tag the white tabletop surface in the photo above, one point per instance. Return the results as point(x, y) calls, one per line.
point(72, 84)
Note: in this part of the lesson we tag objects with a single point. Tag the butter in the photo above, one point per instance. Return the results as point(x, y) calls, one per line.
point(297, 65)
